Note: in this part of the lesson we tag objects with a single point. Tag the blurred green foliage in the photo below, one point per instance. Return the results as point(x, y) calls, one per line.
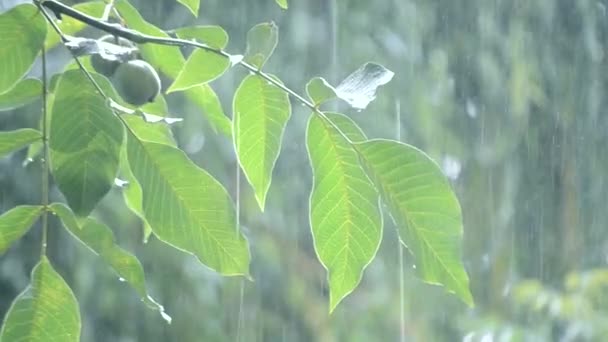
point(508, 95)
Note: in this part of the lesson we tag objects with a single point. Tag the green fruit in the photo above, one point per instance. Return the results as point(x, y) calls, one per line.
point(136, 82)
point(104, 66)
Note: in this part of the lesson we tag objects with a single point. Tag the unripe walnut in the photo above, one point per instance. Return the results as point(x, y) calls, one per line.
point(136, 82)
point(108, 67)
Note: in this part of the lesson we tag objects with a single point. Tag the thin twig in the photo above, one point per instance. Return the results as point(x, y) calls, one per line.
point(135, 36)
point(45, 157)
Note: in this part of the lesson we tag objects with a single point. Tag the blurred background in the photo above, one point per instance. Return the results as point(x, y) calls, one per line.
point(507, 95)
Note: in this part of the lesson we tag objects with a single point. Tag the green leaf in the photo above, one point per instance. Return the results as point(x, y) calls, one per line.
point(132, 193)
point(319, 91)
point(85, 139)
point(70, 26)
point(192, 5)
point(100, 239)
point(170, 61)
point(22, 32)
point(282, 3)
point(201, 67)
point(261, 111)
point(14, 140)
point(46, 311)
point(16, 222)
point(212, 35)
point(22, 93)
point(345, 217)
point(187, 208)
point(424, 208)
point(262, 39)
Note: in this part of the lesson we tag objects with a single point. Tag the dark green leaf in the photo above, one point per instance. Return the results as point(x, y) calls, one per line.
point(24, 92)
point(262, 39)
point(170, 61)
point(16, 222)
point(46, 311)
point(187, 208)
point(14, 140)
point(261, 111)
point(100, 239)
point(22, 33)
point(424, 208)
point(345, 217)
point(85, 141)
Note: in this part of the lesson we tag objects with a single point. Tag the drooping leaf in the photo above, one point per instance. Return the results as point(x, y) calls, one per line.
point(261, 111)
point(100, 239)
point(424, 208)
point(191, 5)
point(22, 33)
point(170, 61)
point(14, 140)
point(70, 26)
point(345, 217)
point(46, 311)
point(16, 222)
point(212, 35)
point(85, 139)
point(186, 207)
point(359, 88)
point(132, 193)
point(319, 91)
point(282, 3)
point(22, 93)
point(262, 39)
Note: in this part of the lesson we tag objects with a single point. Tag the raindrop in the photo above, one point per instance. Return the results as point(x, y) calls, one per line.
point(235, 59)
point(27, 162)
point(121, 279)
point(120, 183)
point(471, 109)
point(414, 266)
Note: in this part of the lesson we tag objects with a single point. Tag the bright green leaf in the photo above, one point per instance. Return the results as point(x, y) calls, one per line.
point(100, 239)
point(22, 93)
point(46, 311)
point(187, 208)
point(170, 61)
point(262, 39)
point(16, 222)
point(192, 5)
point(85, 141)
point(345, 217)
point(70, 26)
point(14, 140)
point(212, 35)
point(201, 67)
point(261, 111)
point(282, 3)
point(424, 208)
point(22, 33)
point(320, 91)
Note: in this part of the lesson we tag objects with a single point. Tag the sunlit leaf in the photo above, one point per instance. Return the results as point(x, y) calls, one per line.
point(85, 139)
point(192, 5)
point(16, 222)
point(22, 33)
point(212, 35)
point(424, 208)
point(22, 93)
point(46, 311)
point(187, 208)
point(282, 3)
point(359, 88)
point(262, 39)
point(319, 90)
point(201, 67)
point(100, 239)
point(170, 61)
point(345, 216)
point(261, 111)
point(70, 26)
point(14, 140)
